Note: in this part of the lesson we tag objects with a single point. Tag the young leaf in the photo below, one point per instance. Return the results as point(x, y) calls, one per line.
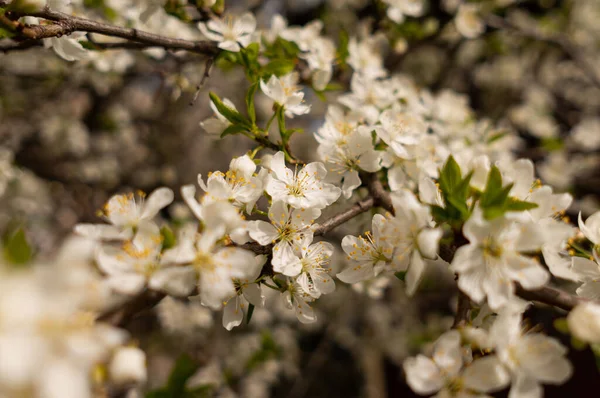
point(278, 67)
point(184, 368)
point(16, 248)
point(230, 114)
point(168, 237)
point(450, 176)
point(250, 102)
point(233, 129)
point(519, 205)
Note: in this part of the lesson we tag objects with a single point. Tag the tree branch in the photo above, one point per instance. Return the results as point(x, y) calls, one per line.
point(462, 310)
point(66, 24)
point(551, 296)
point(339, 219)
point(380, 195)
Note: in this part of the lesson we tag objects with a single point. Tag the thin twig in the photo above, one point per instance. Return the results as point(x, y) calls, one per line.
point(66, 24)
point(207, 68)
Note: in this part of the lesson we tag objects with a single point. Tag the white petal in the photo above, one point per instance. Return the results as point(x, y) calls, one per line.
point(130, 284)
point(262, 232)
point(422, 375)
point(415, 273)
point(357, 273)
point(160, 198)
point(525, 387)
point(188, 192)
point(486, 374)
point(232, 313)
point(253, 293)
point(428, 241)
point(526, 271)
point(102, 231)
point(586, 270)
point(176, 281)
point(447, 353)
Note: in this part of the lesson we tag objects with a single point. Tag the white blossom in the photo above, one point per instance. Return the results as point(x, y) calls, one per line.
point(301, 189)
point(231, 33)
point(286, 93)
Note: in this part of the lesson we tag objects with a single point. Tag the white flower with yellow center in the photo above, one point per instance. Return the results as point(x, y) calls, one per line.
point(368, 255)
point(492, 260)
point(313, 276)
point(531, 358)
point(237, 186)
point(297, 299)
point(130, 266)
point(247, 291)
point(344, 162)
point(288, 230)
point(301, 189)
point(125, 212)
point(451, 373)
point(231, 33)
point(205, 261)
point(412, 236)
point(285, 92)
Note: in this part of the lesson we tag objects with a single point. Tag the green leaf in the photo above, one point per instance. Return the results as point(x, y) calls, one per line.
point(561, 325)
point(250, 102)
point(269, 349)
point(233, 129)
point(184, 368)
point(278, 67)
point(230, 114)
point(342, 50)
point(168, 237)
point(16, 248)
point(497, 136)
point(450, 176)
point(252, 52)
point(493, 187)
point(519, 205)
point(552, 144)
point(578, 344)
point(5, 33)
point(400, 275)
point(250, 312)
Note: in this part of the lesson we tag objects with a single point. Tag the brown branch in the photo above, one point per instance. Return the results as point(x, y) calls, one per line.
point(378, 192)
point(65, 24)
point(551, 296)
point(121, 315)
point(339, 219)
point(462, 311)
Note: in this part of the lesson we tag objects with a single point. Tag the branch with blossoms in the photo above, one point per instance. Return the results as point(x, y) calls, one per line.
point(441, 189)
